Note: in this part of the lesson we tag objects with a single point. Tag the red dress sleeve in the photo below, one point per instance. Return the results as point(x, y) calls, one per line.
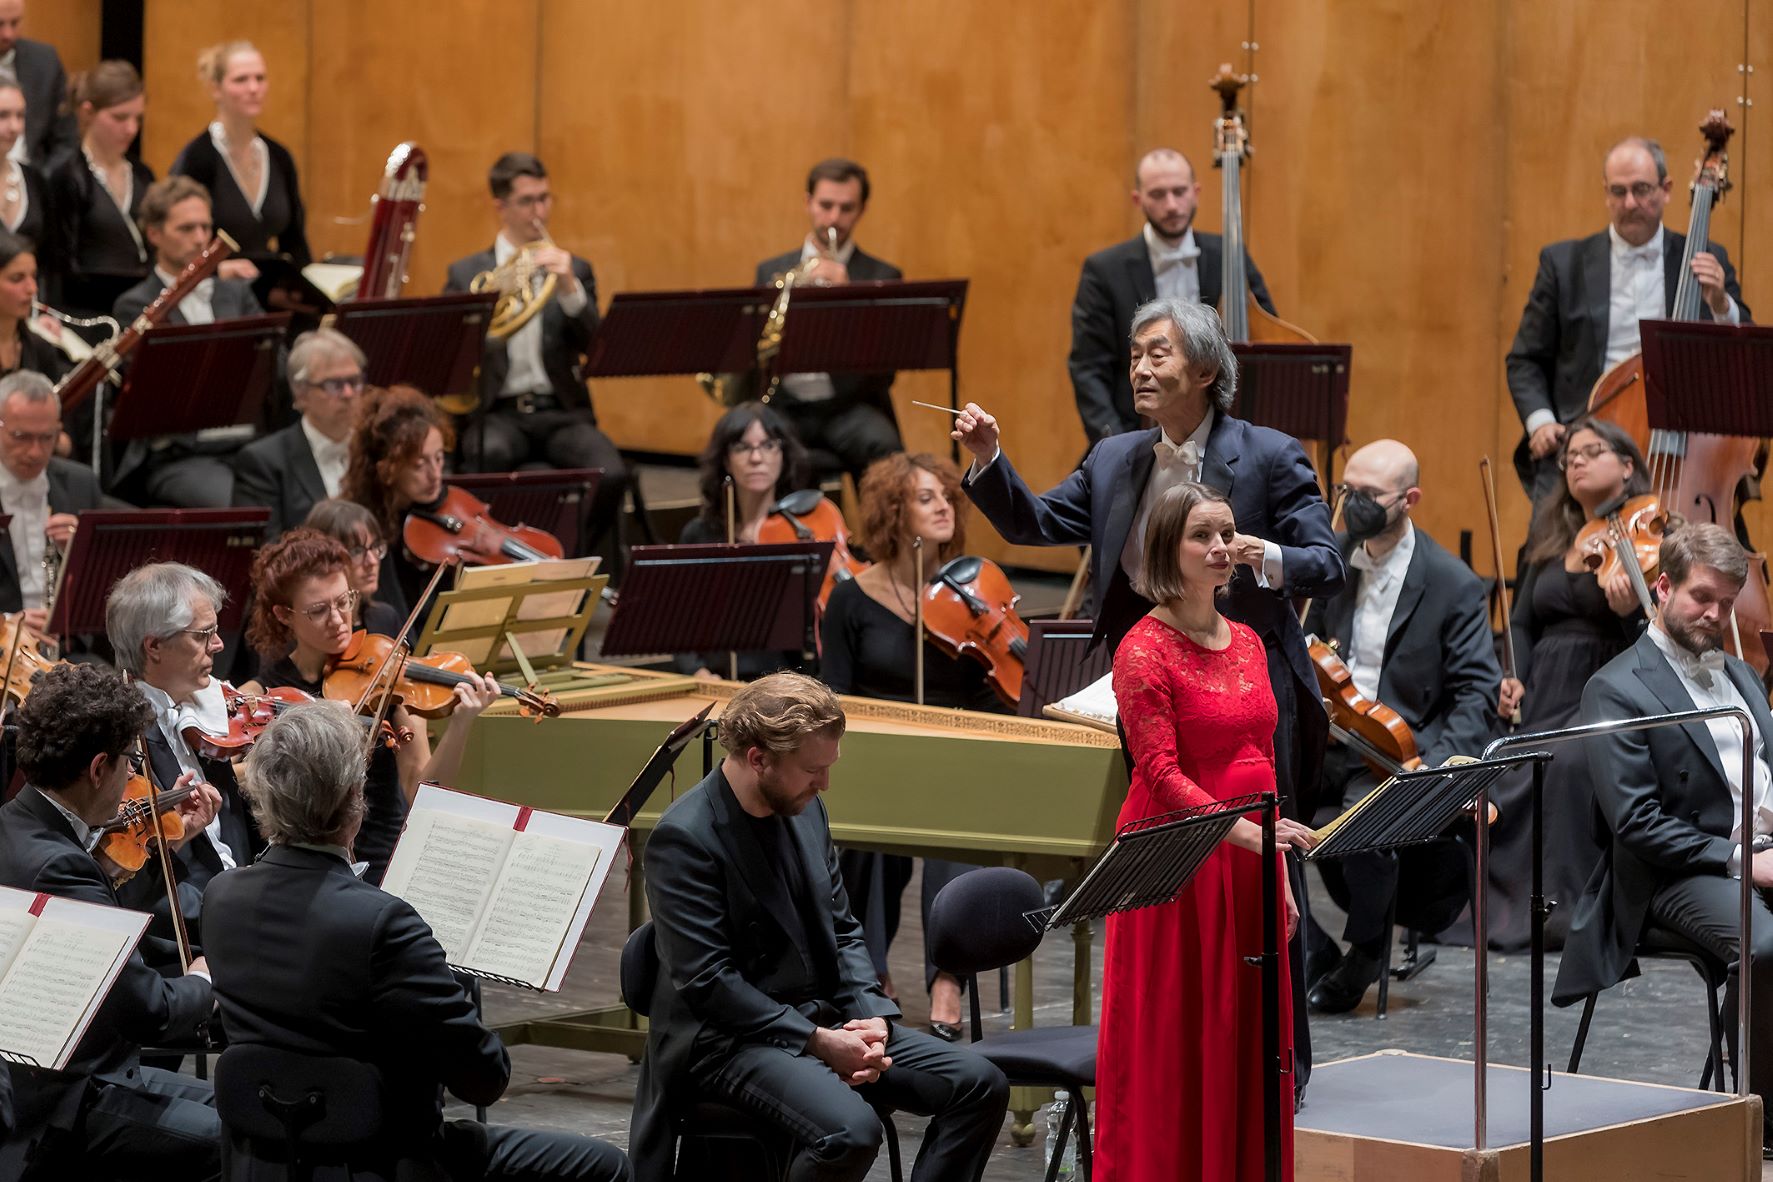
point(1145, 692)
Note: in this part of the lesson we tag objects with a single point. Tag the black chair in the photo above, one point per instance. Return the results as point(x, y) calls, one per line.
point(1659, 942)
point(287, 1112)
point(980, 922)
point(711, 1120)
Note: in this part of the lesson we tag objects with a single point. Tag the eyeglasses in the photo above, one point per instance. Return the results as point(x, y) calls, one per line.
point(137, 764)
point(372, 550)
point(203, 635)
point(37, 438)
point(1641, 191)
point(1587, 455)
point(768, 447)
point(337, 386)
point(344, 605)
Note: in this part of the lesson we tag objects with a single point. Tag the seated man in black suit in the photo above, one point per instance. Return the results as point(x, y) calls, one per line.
point(766, 998)
point(184, 471)
point(535, 409)
point(310, 958)
point(39, 490)
point(1672, 797)
point(1413, 625)
point(50, 131)
point(1169, 258)
point(106, 1115)
point(1582, 314)
point(292, 470)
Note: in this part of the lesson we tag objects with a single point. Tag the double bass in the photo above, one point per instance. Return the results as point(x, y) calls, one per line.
point(1695, 476)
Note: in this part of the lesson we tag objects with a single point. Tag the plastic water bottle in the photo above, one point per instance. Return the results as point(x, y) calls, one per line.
point(1056, 1117)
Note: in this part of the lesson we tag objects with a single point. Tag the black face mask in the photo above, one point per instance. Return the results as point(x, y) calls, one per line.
point(1364, 516)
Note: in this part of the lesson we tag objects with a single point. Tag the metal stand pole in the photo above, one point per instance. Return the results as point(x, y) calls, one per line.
point(1272, 1068)
point(1541, 910)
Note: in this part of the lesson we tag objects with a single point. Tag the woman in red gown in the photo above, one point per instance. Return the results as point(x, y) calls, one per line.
point(1179, 1072)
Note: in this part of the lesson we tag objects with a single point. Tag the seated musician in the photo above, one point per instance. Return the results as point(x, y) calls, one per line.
point(289, 470)
point(39, 491)
point(185, 471)
point(535, 409)
point(1671, 798)
point(20, 348)
point(1413, 625)
point(107, 1115)
point(870, 649)
point(309, 958)
point(398, 450)
point(742, 878)
point(754, 446)
point(356, 529)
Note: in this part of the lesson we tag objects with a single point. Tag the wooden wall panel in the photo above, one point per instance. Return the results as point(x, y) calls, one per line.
point(72, 26)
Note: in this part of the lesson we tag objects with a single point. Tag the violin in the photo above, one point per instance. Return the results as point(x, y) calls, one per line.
point(125, 838)
point(22, 654)
point(808, 516)
point(461, 528)
point(250, 714)
point(1370, 729)
point(424, 685)
point(969, 609)
point(1626, 535)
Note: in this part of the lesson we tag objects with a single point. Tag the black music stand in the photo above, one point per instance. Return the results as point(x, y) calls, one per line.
point(109, 543)
point(1716, 379)
point(1149, 864)
point(431, 342)
point(1059, 662)
point(282, 287)
point(184, 378)
point(658, 766)
point(718, 598)
point(1300, 390)
point(554, 499)
point(662, 333)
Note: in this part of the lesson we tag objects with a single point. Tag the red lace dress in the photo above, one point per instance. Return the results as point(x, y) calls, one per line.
point(1179, 1072)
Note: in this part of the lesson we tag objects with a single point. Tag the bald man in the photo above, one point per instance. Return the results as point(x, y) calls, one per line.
point(1413, 624)
point(1168, 257)
point(1582, 315)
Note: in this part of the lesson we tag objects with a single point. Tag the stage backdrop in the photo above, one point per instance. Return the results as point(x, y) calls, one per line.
point(1410, 161)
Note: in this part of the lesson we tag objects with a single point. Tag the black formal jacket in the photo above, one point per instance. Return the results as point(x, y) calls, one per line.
point(279, 473)
point(308, 957)
point(732, 971)
point(96, 255)
point(50, 132)
point(34, 227)
point(564, 338)
point(1663, 797)
point(1557, 352)
point(1439, 669)
point(72, 489)
point(280, 226)
point(38, 852)
point(1113, 284)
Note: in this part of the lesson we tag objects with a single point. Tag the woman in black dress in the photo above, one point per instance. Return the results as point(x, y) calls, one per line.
point(870, 650)
point(96, 193)
point(301, 616)
point(355, 528)
point(250, 176)
point(21, 348)
point(24, 194)
point(1566, 626)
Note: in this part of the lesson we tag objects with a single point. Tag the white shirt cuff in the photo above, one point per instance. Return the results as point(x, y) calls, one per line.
point(1270, 576)
point(1538, 419)
point(1734, 315)
point(201, 973)
point(572, 302)
point(976, 468)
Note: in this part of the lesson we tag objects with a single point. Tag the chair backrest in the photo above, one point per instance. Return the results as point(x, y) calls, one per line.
point(302, 1101)
point(979, 922)
point(640, 969)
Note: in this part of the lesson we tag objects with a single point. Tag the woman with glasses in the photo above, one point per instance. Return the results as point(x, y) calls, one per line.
point(302, 615)
point(1566, 626)
point(355, 528)
point(397, 453)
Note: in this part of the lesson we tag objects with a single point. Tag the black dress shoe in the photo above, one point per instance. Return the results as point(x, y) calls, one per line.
point(1342, 988)
point(946, 1031)
point(1321, 961)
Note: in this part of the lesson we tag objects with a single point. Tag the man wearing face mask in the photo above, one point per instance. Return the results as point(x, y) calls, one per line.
point(1412, 623)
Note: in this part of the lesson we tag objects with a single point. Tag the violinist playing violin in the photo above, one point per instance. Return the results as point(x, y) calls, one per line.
point(1567, 624)
point(40, 491)
point(398, 450)
point(107, 1115)
point(302, 615)
point(356, 529)
point(1413, 626)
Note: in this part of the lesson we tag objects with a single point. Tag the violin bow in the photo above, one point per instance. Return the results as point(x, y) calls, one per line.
point(1508, 665)
point(1335, 519)
point(164, 855)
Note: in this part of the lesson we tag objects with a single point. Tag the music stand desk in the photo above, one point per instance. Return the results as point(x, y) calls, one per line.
point(109, 543)
point(718, 598)
point(1715, 379)
point(184, 378)
point(1298, 389)
point(431, 342)
point(503, 634)
point(553, 499)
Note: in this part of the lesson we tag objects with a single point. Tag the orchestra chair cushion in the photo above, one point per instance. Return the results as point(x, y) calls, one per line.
point(292, 1110)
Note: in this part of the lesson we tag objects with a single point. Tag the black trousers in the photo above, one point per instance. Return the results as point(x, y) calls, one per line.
point(855, 432)
point(834, 1127)
point(505, 440)
point(190, 482)
point(535, 1155)
point(164, 1127)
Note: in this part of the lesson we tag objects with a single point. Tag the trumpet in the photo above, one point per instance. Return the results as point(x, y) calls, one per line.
point(514, 281)
point(72, 344)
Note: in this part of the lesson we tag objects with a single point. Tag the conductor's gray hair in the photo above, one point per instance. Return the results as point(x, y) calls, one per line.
point(1202, 338)
point(154, 601)
point(304, 777)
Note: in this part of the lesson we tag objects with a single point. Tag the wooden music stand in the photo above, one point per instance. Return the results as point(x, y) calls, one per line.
point(554, 499)
point(718, 598)
point(431, 342)
point(185, 378)
point(109, 543)
point(484, 615)
point(1714, 379)
point(1059, 662)
point(1300, 390)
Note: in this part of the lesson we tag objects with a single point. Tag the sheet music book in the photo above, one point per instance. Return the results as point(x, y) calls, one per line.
point(506, 890)
point(1093, 705)
point(58, 960)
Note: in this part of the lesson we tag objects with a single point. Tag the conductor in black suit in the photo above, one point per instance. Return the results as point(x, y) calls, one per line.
point(1412, 623)
point(106, 1115)
point(1167, 258)
point(49, 126)
point(848, 416)
point(1582, 315)
point(292, 470)
point(308, 957)
point(184, 471)
point(41, 492)
point(1672, 797)
point(766, 998)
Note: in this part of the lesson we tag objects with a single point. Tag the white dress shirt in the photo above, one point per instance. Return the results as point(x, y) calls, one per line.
point(528, 374)
point(330, 456)
point(1382, 581)
point(219, 137)
point(15, 178)
point(199, 306)
point(28, 503)
point(206, 708)
point(1710, 687)
point(1176, 268)
point(816, 387)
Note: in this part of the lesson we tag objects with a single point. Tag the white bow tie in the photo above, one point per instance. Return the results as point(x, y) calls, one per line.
point(1701, 668)
point(1165, 259)
point(1188, 452)
point(1641, 254)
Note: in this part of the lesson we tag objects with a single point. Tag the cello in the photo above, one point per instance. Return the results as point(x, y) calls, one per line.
point(1697, 476)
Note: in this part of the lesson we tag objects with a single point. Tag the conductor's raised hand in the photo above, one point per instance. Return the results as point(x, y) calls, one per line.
point(977, 432)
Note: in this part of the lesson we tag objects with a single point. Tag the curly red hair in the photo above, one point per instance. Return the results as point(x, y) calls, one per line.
point(391, 427)
point(886, 490)
point(297, 556)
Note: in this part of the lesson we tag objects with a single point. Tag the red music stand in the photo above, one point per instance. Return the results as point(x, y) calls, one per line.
point(659, 333)
point(552, 499)
point(718, 598)
point(431, 342)
point(184, 378)
point(1715, 379)
point(109, 543)
point(1300, 390)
